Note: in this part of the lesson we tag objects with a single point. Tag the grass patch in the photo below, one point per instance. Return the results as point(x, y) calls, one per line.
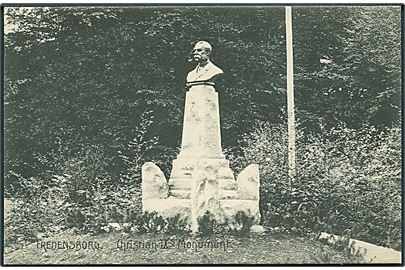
point(256, 249)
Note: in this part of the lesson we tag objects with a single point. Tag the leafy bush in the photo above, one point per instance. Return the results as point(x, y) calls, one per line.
point(346, 180)
point(243, 222)
point(92, 220)
point(206, 224)
point(150, 222)
point(344, 244)
point(348, 247)
point(74, 192)
point(30, 221)
point(23, 226)
point(177, 224)
point(38, 214)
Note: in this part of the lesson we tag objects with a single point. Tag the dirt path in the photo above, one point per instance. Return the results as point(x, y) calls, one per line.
point(116, 248)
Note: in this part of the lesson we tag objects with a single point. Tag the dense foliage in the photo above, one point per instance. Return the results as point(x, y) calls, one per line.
point(92, 93)
point(347, 182)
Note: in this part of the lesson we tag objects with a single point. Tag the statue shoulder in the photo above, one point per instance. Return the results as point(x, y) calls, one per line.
point(214, 72)
point(192, 75)
point(215, 69)
point(206, 73)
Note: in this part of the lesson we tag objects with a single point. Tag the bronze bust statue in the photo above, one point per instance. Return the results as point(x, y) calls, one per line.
point(206, 72)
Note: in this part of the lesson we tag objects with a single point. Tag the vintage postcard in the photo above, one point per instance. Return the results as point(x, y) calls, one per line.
point(202, 134)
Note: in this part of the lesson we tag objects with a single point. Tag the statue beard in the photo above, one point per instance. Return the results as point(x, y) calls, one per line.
point(194, 59)
point(197, 58)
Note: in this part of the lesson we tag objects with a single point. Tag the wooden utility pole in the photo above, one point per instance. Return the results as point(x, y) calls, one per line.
point(290, 96)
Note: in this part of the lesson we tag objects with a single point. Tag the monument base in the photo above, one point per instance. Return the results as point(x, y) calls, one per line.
point(200, 186)
point(201, 180)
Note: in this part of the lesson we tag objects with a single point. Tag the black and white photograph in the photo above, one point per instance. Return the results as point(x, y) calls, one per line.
point(202, 134)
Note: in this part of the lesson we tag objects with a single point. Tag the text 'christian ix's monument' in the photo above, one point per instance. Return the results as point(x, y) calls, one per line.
point(201, 179)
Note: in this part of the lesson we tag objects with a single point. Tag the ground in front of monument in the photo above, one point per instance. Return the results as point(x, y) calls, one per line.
point(123, 248)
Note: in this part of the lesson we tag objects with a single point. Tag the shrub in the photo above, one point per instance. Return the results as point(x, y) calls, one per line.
point(243, 222)
point(206, 224)
point(81, 195)
point(31, 221)
point(38, 214)
point(346, 180)
point(150, 222)
point(93, 220)
point(22, 226)
point(344, 244)
point(78, 185)
point(177, 224)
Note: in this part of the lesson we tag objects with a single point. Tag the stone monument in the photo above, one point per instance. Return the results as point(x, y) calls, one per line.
point(201, 180)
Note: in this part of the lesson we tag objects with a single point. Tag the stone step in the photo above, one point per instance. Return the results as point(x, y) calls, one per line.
point(180, 193)
point(227, 184)
point(167, 207)
point(186, 194)
point(228, 194)
point(180, 183)
point(185, 183)
point(183, 167)
point(231, 207)
point(181, 174)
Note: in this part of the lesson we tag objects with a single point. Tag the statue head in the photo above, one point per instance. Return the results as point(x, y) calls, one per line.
point(205, 72)
point(201, 51)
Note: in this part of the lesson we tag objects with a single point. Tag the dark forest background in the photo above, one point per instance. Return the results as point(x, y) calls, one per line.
point(91, 93)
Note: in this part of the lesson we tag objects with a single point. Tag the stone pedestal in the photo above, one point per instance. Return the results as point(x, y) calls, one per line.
point(201, 131)
point(201, 179)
